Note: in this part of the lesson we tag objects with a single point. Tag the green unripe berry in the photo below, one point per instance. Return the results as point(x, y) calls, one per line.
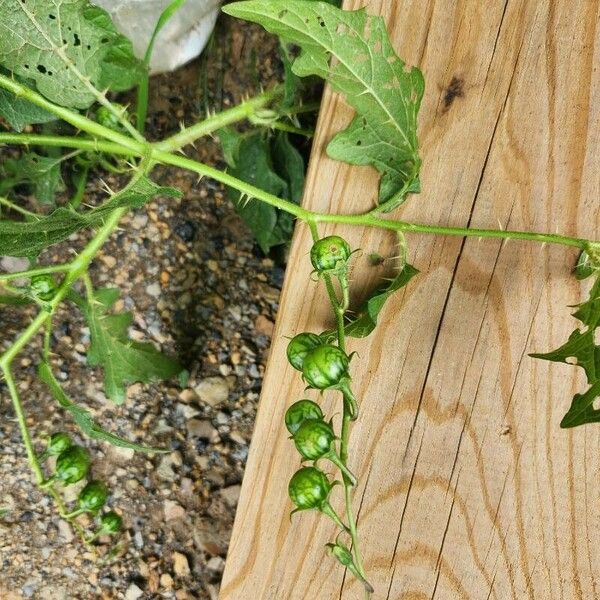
point(301, 411)
point(328, 253)
point(110, 522)
point(43, 287)
point(314, 439)
point(72, 465)
point(93, 496)
point(300, 346)
point(58, 443)
point(309, 488)
point(325, 366)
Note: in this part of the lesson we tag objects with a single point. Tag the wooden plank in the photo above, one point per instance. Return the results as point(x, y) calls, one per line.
point(468, 488)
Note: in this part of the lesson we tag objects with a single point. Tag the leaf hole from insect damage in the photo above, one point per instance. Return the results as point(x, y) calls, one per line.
point(454, 90)
point(571, 360)
point(104, 40)
point(42, 69)
point(596, 404)
point(359, 142)
point(26, 66)
point(52, 17)
point(77, 41)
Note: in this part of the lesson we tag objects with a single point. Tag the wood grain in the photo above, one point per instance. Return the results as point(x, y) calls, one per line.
point(468, 488)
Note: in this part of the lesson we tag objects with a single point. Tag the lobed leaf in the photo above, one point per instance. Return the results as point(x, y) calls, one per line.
point(29, 238)
point(353, 52)
point(123, 360)
point(582, 348)
point(82, 416)
point(69, 48)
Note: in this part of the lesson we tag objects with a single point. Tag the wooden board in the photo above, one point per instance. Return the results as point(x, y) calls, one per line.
point(468, 488)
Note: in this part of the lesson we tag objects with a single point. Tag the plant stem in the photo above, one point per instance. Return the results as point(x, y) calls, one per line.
point(21, 420)
point(366, 220)
point(211, 124)
point(339, 311)
point(292, 129)
point(33, 272)
point(92, 145)
point(26, 213)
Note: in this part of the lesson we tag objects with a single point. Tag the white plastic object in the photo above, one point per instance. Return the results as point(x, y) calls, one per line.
point(180, 40)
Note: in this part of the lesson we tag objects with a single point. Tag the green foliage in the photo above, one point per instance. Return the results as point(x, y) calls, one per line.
point(29, 238)
point(273, 165)
point(69, 48)
point(40, 174)
point(123, 360)
point(82, 416)
point(352, 51)
point(365, 320)
point(19, 112)
point(582, 348)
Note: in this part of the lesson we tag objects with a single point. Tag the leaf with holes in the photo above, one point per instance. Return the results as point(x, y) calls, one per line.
point(123, 360)
point(582, 349)
point(352, 51)
point(69, 48)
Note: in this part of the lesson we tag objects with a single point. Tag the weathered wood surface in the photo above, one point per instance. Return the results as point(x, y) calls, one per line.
point(468, 488)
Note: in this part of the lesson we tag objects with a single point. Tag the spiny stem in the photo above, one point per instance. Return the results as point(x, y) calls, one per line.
point(369, 219)
point(211, 124)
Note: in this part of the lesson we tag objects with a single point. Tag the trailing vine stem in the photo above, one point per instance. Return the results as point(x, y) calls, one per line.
point(339, 308)
point(162, 152)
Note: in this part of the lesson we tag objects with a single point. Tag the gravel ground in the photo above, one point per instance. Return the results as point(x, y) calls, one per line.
point(199, 289)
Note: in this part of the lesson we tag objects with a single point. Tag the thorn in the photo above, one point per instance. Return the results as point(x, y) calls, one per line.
point(182, 151)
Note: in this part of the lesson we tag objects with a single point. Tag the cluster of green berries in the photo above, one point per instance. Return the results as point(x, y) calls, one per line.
point(72, 465)
point(323, 367)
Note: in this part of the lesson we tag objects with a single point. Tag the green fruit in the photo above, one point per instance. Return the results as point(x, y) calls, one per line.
point(300, 346)
point(329, 253)
point(309, 488)
point(299, 412)
point(325, 366)
point(72, 465)
point(43, 287)
point(93, 496)
point(314, 439)
point(110, 522)
point(58, 443)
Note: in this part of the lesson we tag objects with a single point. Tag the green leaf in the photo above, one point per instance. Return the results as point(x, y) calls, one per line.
point(29, 238)
point(366, 319)
point(82, 416)
point(582, 349)
point(249, 158)
point(19, 112)
point(123, 360)
point(69, 48)
point(352, 51)
point(41, 175)
point(289, 165)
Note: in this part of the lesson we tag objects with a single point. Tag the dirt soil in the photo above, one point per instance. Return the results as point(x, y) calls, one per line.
point(200, 289)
